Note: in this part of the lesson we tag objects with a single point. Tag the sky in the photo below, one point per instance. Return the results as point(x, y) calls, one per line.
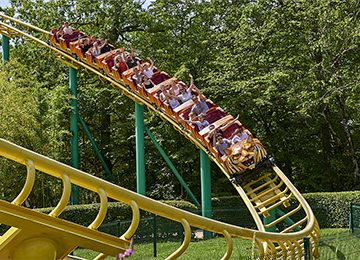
point(4, 3)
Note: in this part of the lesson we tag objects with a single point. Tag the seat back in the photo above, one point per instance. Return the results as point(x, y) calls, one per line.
point(215, 115)
point(158, 78)
point(227, 133)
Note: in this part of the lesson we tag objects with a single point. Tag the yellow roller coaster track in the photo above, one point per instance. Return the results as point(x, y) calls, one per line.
point(262, 196)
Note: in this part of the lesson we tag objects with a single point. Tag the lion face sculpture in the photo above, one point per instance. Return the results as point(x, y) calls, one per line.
point(244, 155)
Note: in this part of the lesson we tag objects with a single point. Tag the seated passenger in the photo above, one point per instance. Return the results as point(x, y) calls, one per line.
point(130, 58)
point(200, 105)
point(162, 95)
point(137, 76)
point(201, 123)
point(146, 82)
point(222, 143)
point(84, 44)
point(239, 135)
point(65, 30)
point(148, 71)
point(185, 94)
point(93, 40)
point(95, 50)
point(119, 60)
point(214, 130)
point(172, 100)
point(104, 46)
point(174, 88)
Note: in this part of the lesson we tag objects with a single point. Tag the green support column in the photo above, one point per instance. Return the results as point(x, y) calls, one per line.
point(288, 220)
point(307, 251)
point(96, 148)
point(140, 152)
point(351, 218)
point(74, 131)
point(5, 49)
point(172, 167)
point(270, 219)
point(205, 175)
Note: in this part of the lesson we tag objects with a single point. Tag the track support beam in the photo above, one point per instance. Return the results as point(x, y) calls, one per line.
point(140, 150)
point(74, 131)
point(205, 174)
point(5, 49)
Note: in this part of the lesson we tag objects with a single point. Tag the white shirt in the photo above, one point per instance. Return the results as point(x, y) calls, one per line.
point(149, 72)
point(173, 103)
point(243, 136)
point(186, 96)
point(68, 30)
point(96, 51)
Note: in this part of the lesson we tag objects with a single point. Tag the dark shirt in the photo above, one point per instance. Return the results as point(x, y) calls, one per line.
point(131, 63)
point(106, 48)
point(86, 47)
point(149, 85)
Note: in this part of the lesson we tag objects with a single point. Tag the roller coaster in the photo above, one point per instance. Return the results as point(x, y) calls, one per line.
point(282, 216)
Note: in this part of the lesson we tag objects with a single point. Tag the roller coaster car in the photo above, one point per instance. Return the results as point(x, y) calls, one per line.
point(254, 174)
point(73, 44)
point(108, 64)
point(65, 40)
point(153, 92)
point(53, 38)
point(160, 77)
point(104, 56)
point(243, 160)
point(90, 59)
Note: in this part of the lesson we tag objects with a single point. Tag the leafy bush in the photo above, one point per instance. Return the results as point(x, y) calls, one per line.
point(330, 208)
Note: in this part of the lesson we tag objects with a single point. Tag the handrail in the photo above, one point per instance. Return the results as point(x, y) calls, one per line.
point(82, 179)
point(185, 243)
point(229, 247)
point(64, 198)
point(29, 183)
point(103, 209)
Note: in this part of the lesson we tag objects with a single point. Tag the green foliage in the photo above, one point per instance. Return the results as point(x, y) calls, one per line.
point(33, 118)
point(85, 214)
point(289, 69)
point(331, 209)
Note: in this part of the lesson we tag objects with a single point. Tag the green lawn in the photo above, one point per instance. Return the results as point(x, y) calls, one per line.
point(209, 249)
point(335, 244)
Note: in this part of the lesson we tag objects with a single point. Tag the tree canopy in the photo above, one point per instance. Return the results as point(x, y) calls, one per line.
point(288, 68)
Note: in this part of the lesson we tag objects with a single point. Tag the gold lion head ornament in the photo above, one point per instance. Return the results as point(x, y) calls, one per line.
point(244, 155)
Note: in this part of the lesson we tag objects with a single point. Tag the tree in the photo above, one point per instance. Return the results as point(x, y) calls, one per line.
point(291, 78)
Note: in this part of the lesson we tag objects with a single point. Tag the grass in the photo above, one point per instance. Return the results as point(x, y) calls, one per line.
point(205, 249)
point(337, 244)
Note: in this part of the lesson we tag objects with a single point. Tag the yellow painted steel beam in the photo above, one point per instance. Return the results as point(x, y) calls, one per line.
point(29, 224)
point(29, 183)
point(54, 168)
point(185, 243)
